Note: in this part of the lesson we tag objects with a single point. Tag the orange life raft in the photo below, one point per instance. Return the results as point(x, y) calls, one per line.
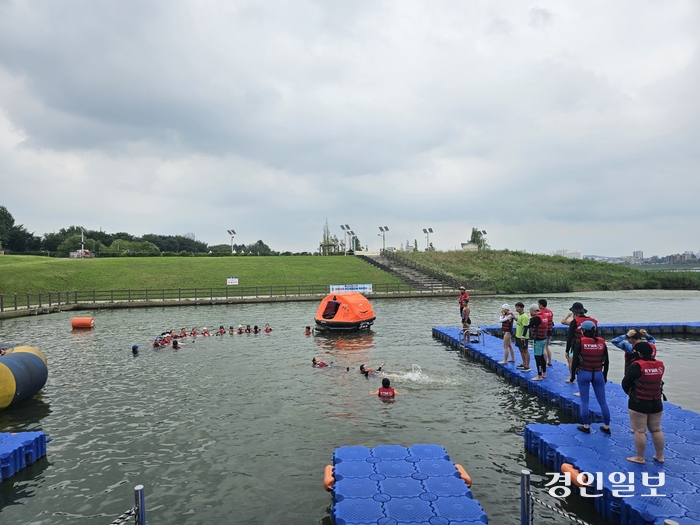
point(344, 312)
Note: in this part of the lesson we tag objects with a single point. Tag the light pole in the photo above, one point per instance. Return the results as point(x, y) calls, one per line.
point(427, 232)
point(231, 233)
point(346, 232)
point(82, 242)
point(383, 229)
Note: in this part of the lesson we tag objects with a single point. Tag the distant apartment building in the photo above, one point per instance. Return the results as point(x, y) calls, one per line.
point(638, 254)
point(567, 253)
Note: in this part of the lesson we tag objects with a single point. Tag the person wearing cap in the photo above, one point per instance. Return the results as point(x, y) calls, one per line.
point(537, 329)
point(589, 366)
point(521, 337)
point(506, 321)
point(643, 382)
point(574, 319)
point(549, 315)
point(135, 349)
point(463, 299)
point(626, 343)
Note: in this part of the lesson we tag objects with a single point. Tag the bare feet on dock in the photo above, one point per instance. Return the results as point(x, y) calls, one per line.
point(538, 378)
point(568, 381)
point(502, 362)
point(636, 459)
point(658, 459)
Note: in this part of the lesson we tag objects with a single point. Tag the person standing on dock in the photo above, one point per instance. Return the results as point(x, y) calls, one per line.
point(589, 366)
point(549, 315)
point(463, 299)
point(506, 320)
point(574, 319)
point(643, 382)
point(537, 328)
point(521, 339)
point(626, 343)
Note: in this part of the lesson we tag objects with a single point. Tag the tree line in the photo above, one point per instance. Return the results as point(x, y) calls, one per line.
point(16, 239)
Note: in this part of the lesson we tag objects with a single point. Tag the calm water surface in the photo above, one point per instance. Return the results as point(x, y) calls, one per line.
point(238, 429)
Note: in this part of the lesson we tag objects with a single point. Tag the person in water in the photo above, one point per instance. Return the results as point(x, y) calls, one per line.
point(589, 365)
point(268, 329)
point(369, 372)
point(231, 330)
point(135, 349)
point(308, 331)
point(256, 330)
point(176, 344)
point(240, 329)
point(205, 331)
point(248, 329)
point(386, 392)
point(320, 364)
point(183, 333)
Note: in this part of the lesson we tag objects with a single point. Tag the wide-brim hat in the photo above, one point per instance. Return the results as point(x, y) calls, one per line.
point(578, 308)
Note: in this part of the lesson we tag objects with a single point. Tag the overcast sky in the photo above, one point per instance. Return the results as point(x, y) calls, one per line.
point(549, 125)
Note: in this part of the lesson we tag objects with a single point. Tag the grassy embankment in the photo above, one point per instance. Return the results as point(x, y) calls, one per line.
point(29, 274)
point(515, 272)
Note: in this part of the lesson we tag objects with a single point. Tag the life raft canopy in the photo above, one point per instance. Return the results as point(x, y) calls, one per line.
point(344, 312)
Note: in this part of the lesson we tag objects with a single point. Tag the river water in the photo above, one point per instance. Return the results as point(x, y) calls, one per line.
point(237, 429)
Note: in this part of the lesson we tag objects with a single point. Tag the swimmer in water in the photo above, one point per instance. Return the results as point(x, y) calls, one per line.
point(321, 364)
point(308, 331)
point(231, 330)
point(369, 372)
point(386, 392)
point(176, 344)
point(256, 330)
point(135, 349)
point(268, 329)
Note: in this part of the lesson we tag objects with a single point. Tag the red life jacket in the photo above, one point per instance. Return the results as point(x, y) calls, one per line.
point(386, 393)
point(507, 326)
point(546, 312)
point(542, 328)
point(321, 364)
point(592, 352)
point(648, 386)
point(579, 321)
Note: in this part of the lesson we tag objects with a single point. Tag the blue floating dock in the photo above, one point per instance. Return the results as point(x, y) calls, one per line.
point(19, 450)
point(597, 452)
point(395, 485)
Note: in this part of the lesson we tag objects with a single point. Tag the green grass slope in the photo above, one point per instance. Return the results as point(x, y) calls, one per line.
point(20, 274)
point(514, 272)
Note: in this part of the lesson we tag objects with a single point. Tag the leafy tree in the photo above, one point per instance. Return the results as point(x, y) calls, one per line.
point(478, 238)
point(72, 243)
point(15, 237)
point(128, 246)
point(415, 245)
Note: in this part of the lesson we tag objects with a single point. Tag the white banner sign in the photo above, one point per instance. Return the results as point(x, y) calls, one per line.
point(231, 281)
point(340, 288)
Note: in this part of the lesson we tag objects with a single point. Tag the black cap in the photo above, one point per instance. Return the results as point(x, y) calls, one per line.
point(644, 349)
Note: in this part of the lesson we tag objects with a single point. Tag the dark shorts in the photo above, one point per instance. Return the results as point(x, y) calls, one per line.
point(521, 343)
point(550, 334)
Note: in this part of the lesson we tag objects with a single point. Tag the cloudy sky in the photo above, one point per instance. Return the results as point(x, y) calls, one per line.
point(549, 125)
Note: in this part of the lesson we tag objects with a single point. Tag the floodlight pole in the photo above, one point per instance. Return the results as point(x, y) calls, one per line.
point(82, 242)
point(427, 232)
point(346, 234)
point(231, 233)
point(383, 229)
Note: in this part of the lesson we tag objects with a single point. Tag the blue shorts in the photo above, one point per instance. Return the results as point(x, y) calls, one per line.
point(539, 346)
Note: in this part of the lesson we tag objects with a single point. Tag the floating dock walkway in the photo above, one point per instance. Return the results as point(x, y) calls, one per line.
point(395, 485)
point(19, 450)
point(601, 453)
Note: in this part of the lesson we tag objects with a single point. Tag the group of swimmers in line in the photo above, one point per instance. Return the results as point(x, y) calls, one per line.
point(385, 393)
point(175, 339)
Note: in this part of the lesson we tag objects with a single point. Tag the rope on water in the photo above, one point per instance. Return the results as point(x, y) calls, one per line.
point(124, 517)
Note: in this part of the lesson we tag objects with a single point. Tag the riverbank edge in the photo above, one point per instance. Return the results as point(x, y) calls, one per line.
point(107, 305)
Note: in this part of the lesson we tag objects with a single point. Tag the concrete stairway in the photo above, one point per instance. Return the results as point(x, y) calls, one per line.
point(411, 276)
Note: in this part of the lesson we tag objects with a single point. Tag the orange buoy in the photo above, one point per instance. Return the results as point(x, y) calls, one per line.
point(568, 467)
point(464, 475)
point(328, 479)
point(83, 323)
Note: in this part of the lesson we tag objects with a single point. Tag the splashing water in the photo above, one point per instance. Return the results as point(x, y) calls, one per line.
point(416, 375)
